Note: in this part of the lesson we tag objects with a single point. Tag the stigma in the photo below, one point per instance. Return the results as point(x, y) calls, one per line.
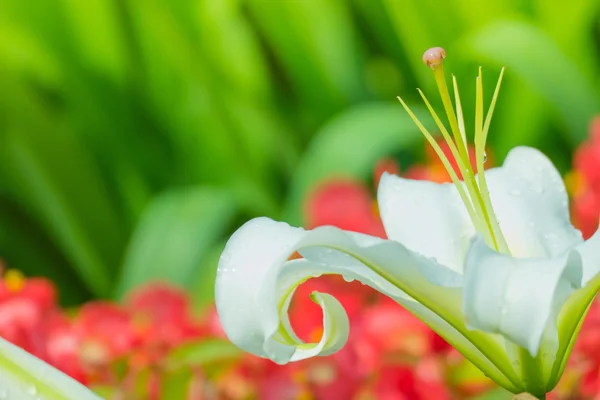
point(434, 56)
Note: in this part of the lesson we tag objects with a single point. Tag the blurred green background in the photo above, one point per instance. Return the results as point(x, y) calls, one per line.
point(135, 135)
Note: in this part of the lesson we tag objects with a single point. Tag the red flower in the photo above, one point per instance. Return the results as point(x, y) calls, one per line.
point(161, 316)
point(346, 204)
point(584, 182)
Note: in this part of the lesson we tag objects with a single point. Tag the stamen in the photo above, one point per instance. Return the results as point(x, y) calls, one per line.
point(478, 208)
point(459, 112)
point(481, 134)
point(468, 174)
point(434, 57)
point(478, 201)
point(444, 160)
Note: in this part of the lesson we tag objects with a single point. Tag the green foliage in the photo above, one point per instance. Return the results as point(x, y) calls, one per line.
point(136, 134)
point(202, 353)
point(174, 235)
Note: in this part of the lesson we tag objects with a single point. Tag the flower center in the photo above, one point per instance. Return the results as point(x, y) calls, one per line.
point(474, 191)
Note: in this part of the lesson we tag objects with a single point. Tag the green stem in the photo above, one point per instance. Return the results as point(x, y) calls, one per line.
point(531, 371)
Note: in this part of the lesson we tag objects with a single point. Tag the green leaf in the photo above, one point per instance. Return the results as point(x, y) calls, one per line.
point(496, 394)
point(349, 145)
point(176, 384)
point(541, 64)
point(570, 24)
point(26, 247)
point(203, 290)
point(420, 25)
point(202, 353)
point(317, 46)
point(176, 231)
point(54, 177)
point(222, 31)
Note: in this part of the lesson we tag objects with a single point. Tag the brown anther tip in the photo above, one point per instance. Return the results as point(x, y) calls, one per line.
point(434, 56)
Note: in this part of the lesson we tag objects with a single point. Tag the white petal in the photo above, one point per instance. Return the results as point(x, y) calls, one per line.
point(255, 282)
point(590, 256)
point(518, 298)
point(531, 203)
point(428, 218)
point(23, 376)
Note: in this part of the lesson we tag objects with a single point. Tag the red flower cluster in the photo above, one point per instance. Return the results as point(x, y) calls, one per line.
point(584, 182)
point(88, 345)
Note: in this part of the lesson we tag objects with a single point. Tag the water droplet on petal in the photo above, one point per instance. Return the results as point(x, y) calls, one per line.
point(348, 278)
point(539, 189)
point(32, 390)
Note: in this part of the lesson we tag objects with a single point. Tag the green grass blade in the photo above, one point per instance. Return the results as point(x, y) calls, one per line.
point(176, 232)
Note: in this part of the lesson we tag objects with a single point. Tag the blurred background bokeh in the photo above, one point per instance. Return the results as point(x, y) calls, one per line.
point(136, 135)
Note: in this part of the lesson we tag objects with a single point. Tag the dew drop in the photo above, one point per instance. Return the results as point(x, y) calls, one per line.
point(32, 390)
point(484, 156)
point(539, 167)
point(348, 278)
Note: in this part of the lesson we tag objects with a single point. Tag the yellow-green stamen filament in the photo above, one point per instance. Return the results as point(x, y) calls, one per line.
point(477, 201)
point(480, 143)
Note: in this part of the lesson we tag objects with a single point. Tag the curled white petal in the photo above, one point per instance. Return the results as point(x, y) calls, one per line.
point(256, 279)
point(23, 376)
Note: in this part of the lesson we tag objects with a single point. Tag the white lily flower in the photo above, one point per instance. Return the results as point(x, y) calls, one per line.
point(23, 376)
point(492, 264)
